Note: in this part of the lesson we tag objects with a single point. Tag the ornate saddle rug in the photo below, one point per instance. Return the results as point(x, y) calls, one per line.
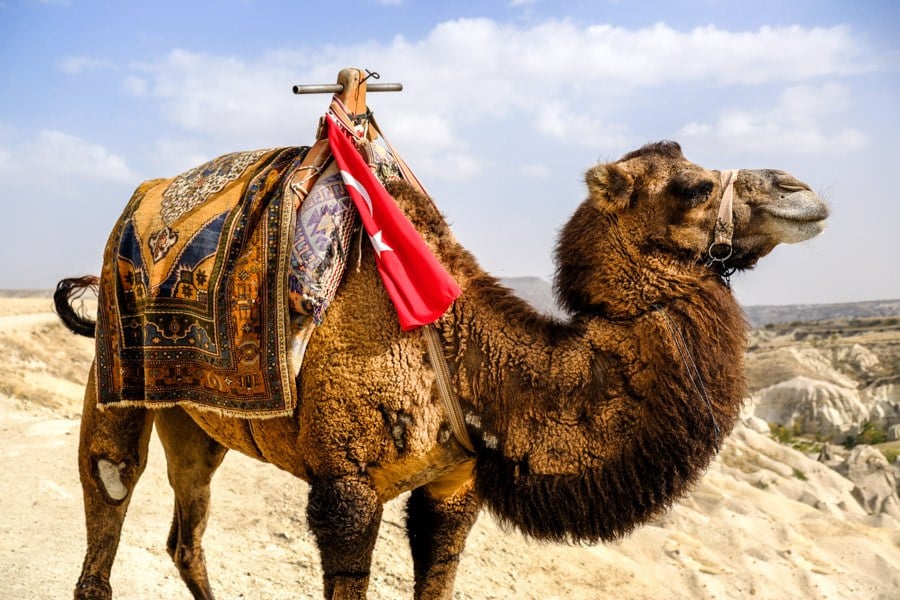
point(195, 290)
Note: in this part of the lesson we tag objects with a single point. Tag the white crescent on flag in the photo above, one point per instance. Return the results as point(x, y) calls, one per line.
point(351, 181)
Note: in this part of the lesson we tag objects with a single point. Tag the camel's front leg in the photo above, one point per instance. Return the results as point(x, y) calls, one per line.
point(344, 515)
point(112, 454)
point(438, 522)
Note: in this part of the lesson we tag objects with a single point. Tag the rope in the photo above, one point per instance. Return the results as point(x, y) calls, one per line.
point(724, 229)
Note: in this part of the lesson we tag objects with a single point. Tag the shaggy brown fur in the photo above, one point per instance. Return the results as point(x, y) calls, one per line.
point(584, 429)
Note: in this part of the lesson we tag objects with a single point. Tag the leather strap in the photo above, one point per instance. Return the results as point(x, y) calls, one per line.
point(720, 249)
point(445, 387)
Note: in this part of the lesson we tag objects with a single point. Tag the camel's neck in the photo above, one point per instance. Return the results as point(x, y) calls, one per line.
point(589, 428)
point(610, 419)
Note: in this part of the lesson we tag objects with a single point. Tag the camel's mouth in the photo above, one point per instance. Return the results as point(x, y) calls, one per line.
point(795, 217)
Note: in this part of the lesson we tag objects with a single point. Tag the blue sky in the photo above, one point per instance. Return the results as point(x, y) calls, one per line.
point(506, 104)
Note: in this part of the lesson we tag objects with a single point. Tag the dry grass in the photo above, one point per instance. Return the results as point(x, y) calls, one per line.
point(43, 362)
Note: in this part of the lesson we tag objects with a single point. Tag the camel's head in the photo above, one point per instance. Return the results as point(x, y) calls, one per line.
point(649, 226)
point(669, 205)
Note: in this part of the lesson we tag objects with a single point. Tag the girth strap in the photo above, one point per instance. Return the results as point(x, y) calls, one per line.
point(445, 387)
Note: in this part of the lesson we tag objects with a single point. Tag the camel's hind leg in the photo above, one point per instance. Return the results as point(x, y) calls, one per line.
point(438, 522)
point(112, 455)
point(192, 457)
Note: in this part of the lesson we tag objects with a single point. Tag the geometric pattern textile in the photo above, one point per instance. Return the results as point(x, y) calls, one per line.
point(323, 235)
point(194, 290)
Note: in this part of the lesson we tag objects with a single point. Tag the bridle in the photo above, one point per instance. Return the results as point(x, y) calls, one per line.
point(720, 250)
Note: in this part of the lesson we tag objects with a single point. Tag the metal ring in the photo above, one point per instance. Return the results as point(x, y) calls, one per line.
point(723, 258)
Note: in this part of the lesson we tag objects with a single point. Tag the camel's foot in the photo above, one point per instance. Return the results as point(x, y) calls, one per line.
point(93, 587)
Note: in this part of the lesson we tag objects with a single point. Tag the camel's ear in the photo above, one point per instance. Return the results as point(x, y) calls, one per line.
point(610, 187)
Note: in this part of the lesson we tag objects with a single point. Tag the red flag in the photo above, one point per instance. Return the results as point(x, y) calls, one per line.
point(418, 285)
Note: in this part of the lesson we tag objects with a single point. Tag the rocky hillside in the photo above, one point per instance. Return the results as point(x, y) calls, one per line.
point(835, 380)
point(760, 316)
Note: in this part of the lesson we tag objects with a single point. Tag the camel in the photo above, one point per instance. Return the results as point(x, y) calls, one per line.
point(584, 428)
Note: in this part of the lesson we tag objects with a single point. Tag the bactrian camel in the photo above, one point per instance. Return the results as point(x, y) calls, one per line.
point(583, 428)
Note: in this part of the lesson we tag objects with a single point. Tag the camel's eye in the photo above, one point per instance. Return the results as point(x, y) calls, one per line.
point(690, 190)
point(700, 193)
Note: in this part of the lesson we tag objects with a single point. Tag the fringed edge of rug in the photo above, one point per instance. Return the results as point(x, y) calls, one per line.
point(189, 404)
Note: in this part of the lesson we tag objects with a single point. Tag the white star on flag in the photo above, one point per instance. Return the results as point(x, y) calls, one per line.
point(378, 244)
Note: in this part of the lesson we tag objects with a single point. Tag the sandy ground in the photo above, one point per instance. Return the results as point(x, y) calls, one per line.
point(766, 522)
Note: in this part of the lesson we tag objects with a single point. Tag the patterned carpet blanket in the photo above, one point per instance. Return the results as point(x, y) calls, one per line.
point(195, 291)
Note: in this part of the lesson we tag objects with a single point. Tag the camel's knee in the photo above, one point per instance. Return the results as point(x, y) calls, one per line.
point(344, 515)
point(113, 450)
point(111, 477)
point(114, 478)
point(343, 507)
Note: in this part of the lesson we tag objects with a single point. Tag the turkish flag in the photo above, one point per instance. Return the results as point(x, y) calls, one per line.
point(417, 284)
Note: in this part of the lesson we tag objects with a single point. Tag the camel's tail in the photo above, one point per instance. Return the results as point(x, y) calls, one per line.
point(68, 290)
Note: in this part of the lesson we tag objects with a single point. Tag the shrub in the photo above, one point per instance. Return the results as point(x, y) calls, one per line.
point(891, 454)
point(780, 433)
point(870, 433)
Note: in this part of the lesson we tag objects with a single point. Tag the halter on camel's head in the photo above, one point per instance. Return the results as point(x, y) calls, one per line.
point(720, 249)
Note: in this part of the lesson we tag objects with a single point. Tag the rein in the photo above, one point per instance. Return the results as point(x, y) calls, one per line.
point(687, 359)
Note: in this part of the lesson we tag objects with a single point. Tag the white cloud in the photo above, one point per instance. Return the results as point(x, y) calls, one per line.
point(221, 96)
point(75, 65)
point(134, 85)
point(517, 3)
point(578, 128)
point(799, 124)
point(60, 158)
point(559, 79)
